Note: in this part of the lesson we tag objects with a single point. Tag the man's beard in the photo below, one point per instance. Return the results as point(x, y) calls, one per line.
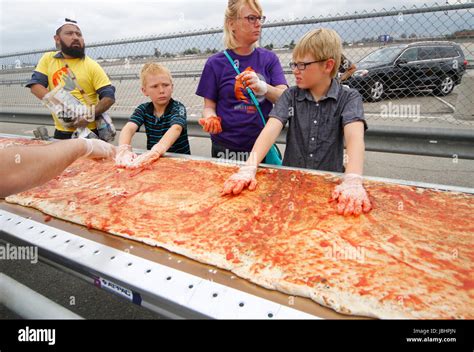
point(75, 52)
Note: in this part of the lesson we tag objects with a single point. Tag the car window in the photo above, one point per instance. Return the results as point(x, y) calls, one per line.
point(447, 52)
point(384, 55)
point(410, 55)
point(427, 53)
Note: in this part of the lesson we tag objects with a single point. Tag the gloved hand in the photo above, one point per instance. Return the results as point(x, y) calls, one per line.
point(351, 196)
point(125, 155)
point(250, 79)
point(98, 149)
point(147, 158)
point(82, 116)
point(238, 181)
point(79, 123)
point(211, 124)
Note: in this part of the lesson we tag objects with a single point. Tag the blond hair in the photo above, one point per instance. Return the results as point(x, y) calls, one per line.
point(153, 68)
point(322, 44)
point(234, 7)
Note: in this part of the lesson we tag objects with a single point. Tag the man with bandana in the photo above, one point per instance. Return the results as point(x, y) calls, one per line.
point(78, 74)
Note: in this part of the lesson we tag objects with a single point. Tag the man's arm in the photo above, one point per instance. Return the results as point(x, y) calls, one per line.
point(104, 89)
point(39, 91)
point(38, 83)
point(25, 167)
point(103, 105)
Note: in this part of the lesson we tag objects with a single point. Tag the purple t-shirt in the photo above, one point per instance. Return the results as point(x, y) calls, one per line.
point(241, 122)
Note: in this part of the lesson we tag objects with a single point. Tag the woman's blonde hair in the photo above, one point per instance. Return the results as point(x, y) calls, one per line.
point(234, 7)
point(153, 68)
point(322, 44)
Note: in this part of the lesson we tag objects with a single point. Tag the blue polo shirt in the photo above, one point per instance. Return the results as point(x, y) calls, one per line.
point(157, 126)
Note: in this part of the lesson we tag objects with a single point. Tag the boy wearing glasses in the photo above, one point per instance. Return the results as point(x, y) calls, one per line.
point(322, 114)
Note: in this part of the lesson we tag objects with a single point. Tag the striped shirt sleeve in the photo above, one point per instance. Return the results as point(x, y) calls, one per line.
point(178, 115)
point(138, 116)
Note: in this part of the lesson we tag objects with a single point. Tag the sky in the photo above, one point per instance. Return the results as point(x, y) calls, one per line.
point(26, 25)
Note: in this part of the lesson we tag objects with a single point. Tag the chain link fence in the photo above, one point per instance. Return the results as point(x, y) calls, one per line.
point(413, 64)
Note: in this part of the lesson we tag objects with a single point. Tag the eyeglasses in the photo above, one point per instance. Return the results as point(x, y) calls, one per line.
point(253, 19)
point(302, 65)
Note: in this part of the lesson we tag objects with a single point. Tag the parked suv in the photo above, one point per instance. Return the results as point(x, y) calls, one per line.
point(438, 66)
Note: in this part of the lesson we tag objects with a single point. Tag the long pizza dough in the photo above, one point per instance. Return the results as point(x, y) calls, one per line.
point(411, 257)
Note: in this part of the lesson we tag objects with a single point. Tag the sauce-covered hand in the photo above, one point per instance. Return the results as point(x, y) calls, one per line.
point(211, 124)
point(351, 196)
point(245, 177)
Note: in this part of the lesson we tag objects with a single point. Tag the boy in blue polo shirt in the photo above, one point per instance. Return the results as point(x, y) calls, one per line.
point(164, 119)
point(322, 114)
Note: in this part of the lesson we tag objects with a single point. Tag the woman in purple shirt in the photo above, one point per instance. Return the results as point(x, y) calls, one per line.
point(229, 114)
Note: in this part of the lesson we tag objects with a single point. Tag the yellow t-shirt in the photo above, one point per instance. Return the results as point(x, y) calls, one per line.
point(89, 74)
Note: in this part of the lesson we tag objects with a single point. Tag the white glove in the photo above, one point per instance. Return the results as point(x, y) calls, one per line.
point(84, 112)
point(97, 149)
point(240, 180)
point(83, 115)
point(125, 155)
point(147, 158)
point(251, 80)
point(351, 196)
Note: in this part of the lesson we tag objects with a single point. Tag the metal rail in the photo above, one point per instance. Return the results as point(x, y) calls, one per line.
point(165, 290)
point(434, 142)
point(28, 303)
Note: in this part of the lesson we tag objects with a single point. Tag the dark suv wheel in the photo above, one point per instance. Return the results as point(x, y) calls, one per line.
point(375, 90)
point(445, 86)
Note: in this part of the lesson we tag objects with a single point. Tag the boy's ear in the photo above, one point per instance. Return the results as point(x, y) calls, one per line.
point(144, 92)
point(330, 65)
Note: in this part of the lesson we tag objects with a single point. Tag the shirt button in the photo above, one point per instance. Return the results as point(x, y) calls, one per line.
point(315, 122)
point(312, 139)
point(310, 155)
